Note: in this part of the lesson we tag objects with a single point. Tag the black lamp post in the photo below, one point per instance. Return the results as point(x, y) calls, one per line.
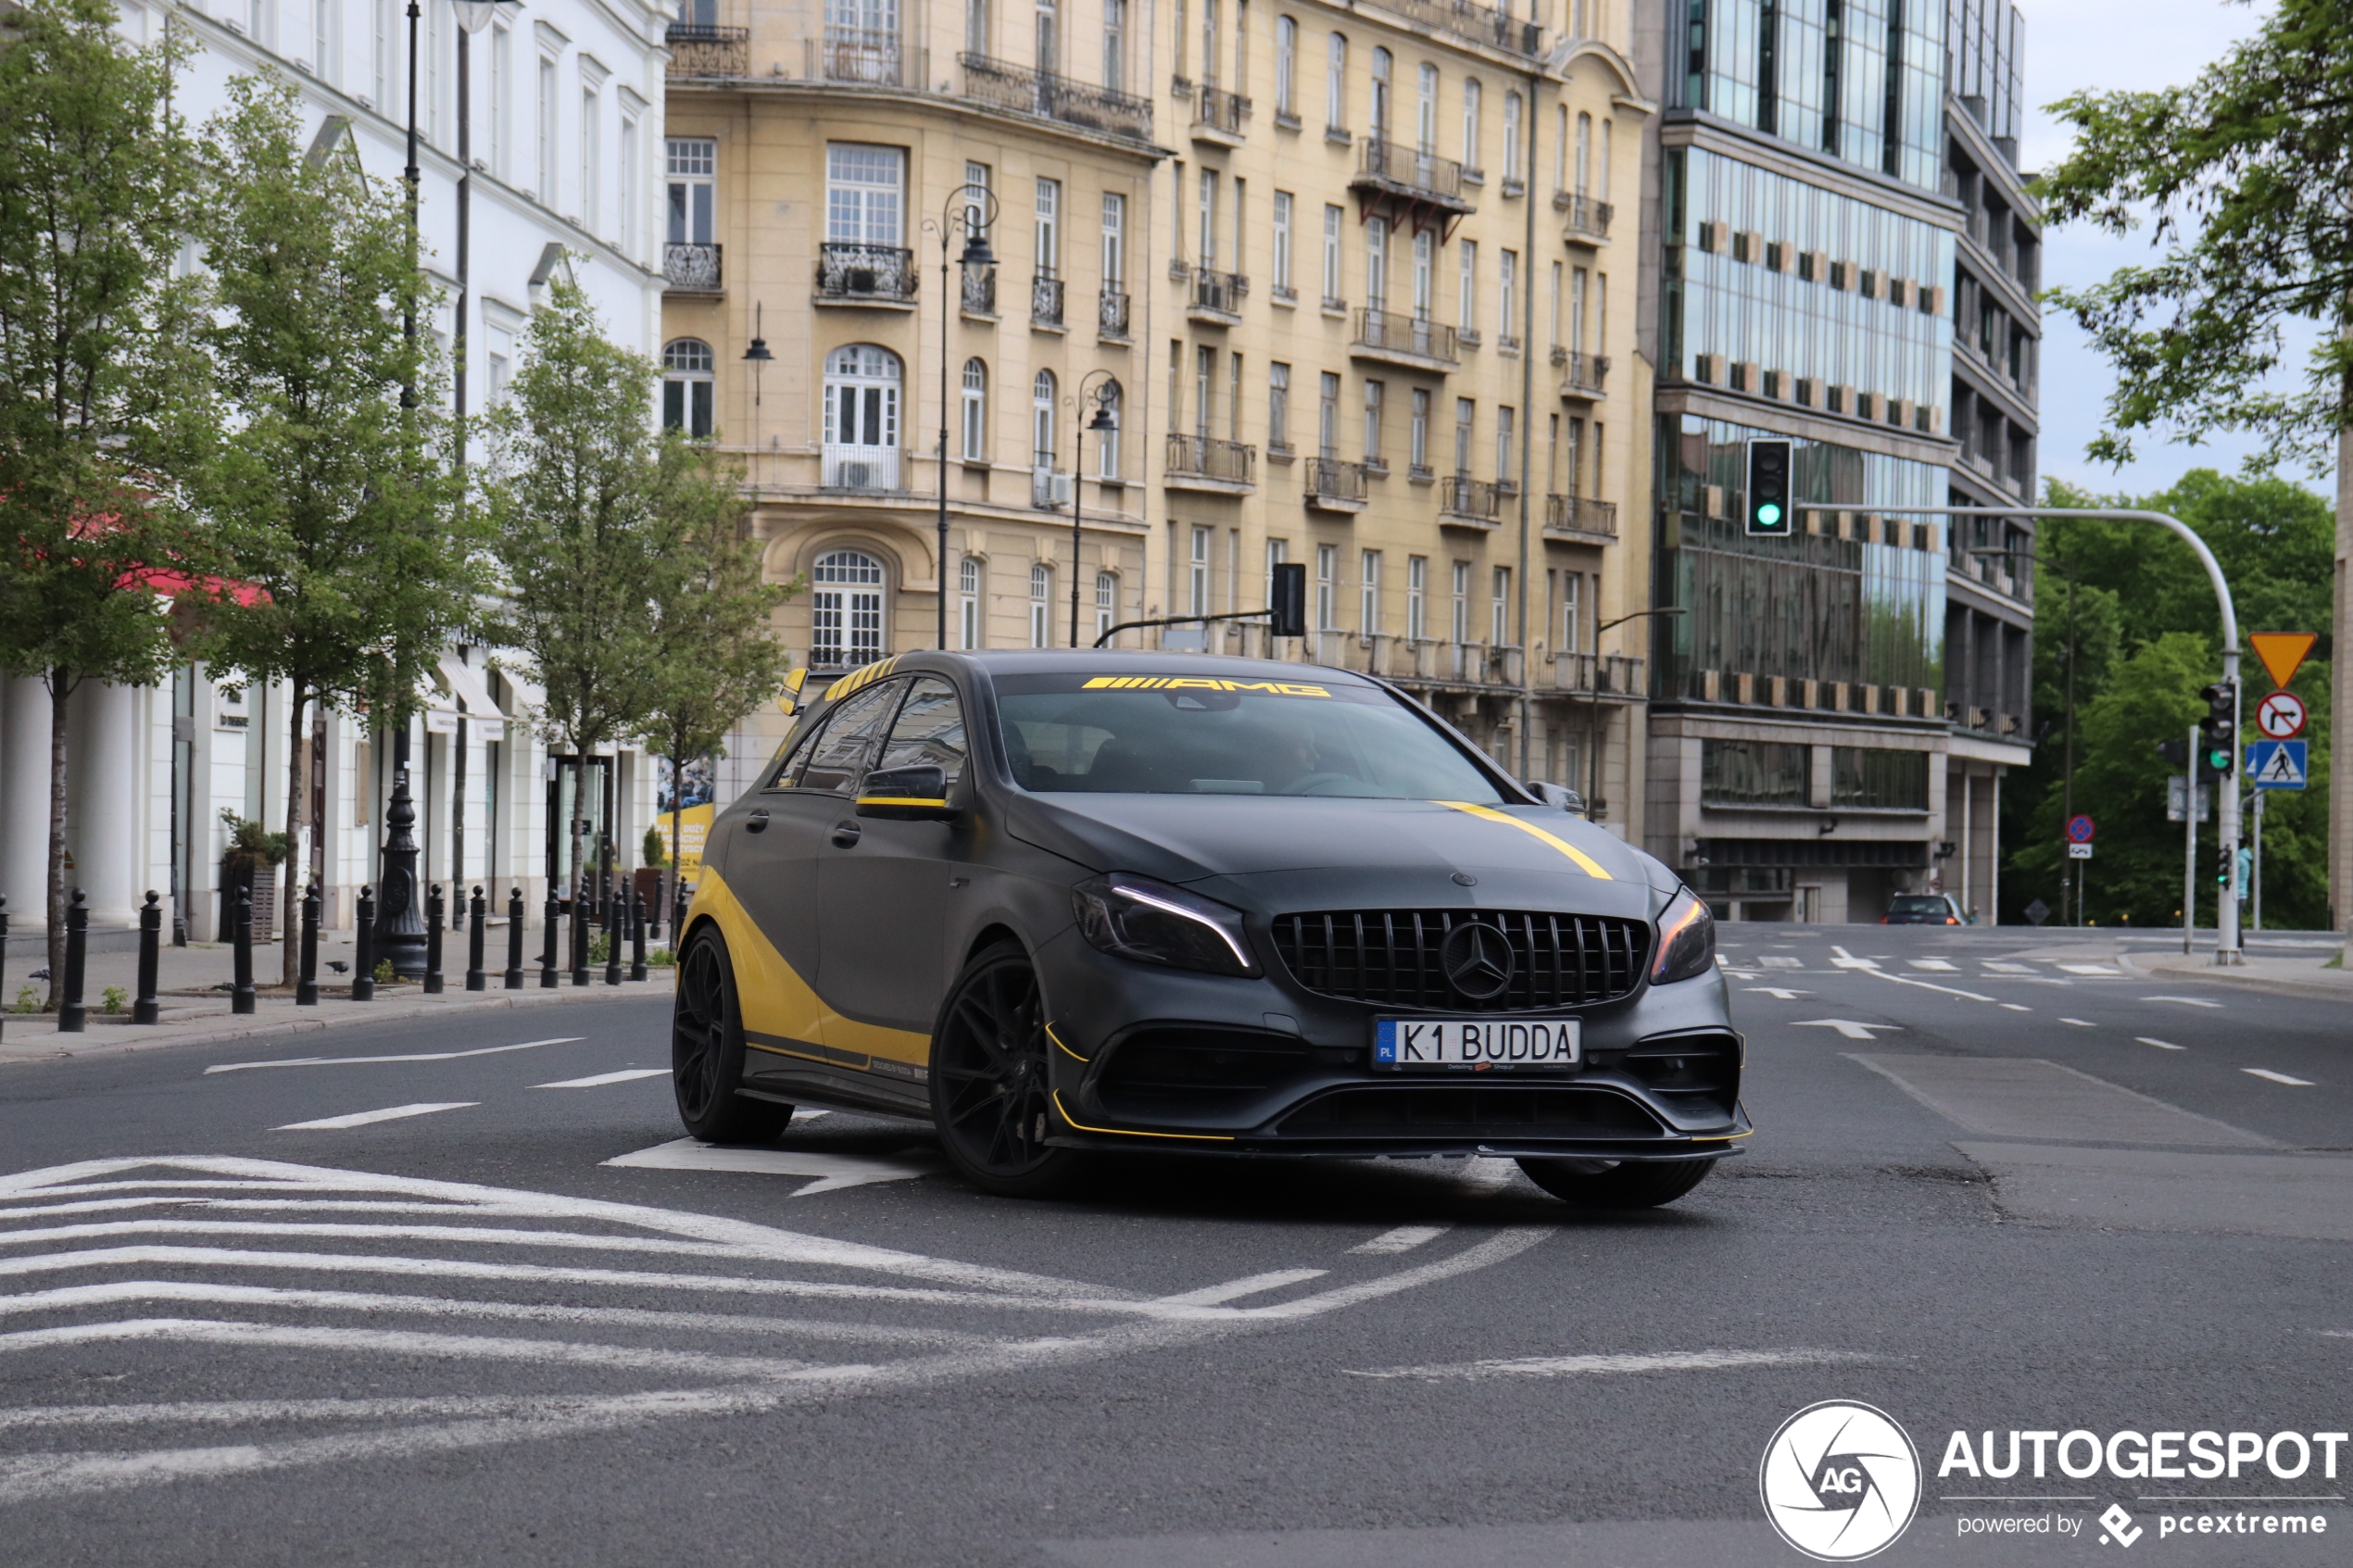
point(1593, 709)
point(400, 927)
point(1103, 425)
point(2069, 882)
point(977, 257)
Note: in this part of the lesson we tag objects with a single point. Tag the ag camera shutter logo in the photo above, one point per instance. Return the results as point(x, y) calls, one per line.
point(1839, 1481)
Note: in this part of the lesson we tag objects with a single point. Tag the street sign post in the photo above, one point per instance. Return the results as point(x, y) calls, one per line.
point(2079, 851)
point(2278, 764)
point(2281, 716)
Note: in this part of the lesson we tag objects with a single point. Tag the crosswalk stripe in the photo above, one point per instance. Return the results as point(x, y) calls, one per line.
point(365, 1117)
point(599, 1080)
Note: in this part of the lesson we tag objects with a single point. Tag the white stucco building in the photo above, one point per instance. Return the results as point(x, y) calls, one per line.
point(562, 122)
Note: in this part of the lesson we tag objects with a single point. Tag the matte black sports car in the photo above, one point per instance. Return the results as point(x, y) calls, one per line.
point(1067, 903)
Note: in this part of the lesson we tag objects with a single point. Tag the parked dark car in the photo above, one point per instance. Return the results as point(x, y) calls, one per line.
point(1923, 908)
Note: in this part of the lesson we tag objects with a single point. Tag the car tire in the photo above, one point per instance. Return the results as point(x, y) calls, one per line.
point(991, 1082)
point(1628, 1184)
point(707, 1051)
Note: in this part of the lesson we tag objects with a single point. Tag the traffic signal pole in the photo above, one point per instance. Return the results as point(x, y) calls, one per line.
point(2226, 915)
point(2190, 814)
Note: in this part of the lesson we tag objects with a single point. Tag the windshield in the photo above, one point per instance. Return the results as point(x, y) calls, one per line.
point(1197, 734)
point(1917, 904)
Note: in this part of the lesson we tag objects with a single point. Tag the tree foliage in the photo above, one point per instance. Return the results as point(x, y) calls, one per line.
point(2244, 178)
point(2148, 638)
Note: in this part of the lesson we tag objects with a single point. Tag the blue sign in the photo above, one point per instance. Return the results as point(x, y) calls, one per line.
point(2276, 764)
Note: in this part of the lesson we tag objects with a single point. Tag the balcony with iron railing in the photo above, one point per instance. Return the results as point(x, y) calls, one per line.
point(882, 471)
point(1466, 502)
point(1111, 316)
point(690, 268)
point(1214, 299)
point(1394, 338)
point(1581, 516)
point(1204, 462)
point(1425, 178)
point(1599, 675)
point(869, 57)
point(1218, 116)
point(1001, 84)
point(1481, 24)
point(979, 286)
point(1335, 487)
point(1046, 302)
point(864, 274)
point(1587, 218)
point(1582, 374)
point(699, 50)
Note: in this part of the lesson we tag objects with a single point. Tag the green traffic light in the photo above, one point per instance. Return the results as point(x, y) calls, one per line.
point(1770, 515)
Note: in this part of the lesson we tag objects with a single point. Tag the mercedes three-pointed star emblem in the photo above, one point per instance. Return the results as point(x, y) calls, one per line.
point(1478, 961)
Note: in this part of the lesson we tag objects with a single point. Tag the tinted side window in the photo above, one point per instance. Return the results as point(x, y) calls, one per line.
point(796, 757)
point(930, 729)
point(838, 755)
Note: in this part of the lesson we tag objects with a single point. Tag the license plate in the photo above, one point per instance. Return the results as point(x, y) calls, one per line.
point(1407, 1044)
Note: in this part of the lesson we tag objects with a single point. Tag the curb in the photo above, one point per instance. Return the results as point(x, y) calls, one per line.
point(12, 1055)
point(2323, 989)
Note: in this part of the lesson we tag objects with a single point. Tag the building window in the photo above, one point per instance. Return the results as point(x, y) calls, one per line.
point(975, 410)
point(977, 188)
point(1286, 66)
point(1115, 45)
point(1572, 628)
point(861, 417)
point(862, 186)
point(1383, 61)
point(1470, 122)
point(1416, 597)
point(502, 58)
point(1041, 421)
point(1466, 415)
point(1277, 552)
point(1049, 228)
point(846, 610)
point(694, 172)
point(1425, 110)
point(1049, 51)
point(626, 177)
point(592, 156)
point(384, 56)
point(1756, 773)
point(1336, 85)
point(1368, 607)
point(1326, 568)
point(1041, 605)
point(547, 117)
point(686, 386)
point(1418, 432)
point(976, 27)
point(1279, 406)
point(1507, 295)
point(1461, 605)
point(1333, 218)
point(1197, 572)
point(1467, 289)
point(1871, 778)
point(1584, 152)
point(1282, 243)
point(1328, 418)
point(968, 604)
point(1114, 241)
point(1106, 603)
point(1499, 620)
point(1207, 208)
point(1374, 394)
point(1377, 262)
point(1511, 136)
point(1506, 419)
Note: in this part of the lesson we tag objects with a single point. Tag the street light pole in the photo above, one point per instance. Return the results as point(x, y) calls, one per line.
point(1593, 706)
point(1102, 424)
point(2071, 880)
point(959, 212)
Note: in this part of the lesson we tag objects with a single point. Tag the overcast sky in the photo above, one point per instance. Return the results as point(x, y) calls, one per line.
point(2072, 44)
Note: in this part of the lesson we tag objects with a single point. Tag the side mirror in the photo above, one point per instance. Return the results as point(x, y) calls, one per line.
point(916, 794)
point(1566, 799)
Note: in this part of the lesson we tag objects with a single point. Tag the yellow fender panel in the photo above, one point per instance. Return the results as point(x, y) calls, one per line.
point(777, 1000)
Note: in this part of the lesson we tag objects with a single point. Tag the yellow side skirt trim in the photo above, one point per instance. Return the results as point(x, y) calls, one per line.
point(1064, 1049)
point(1124, 1133)
point(1585, 862)
point(900, 800)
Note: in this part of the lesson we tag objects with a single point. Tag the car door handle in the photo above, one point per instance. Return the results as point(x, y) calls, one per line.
point(756, 822)
point(847, 834)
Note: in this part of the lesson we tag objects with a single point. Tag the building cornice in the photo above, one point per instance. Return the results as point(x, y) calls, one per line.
point(1697, 128)
point(1811, 424)
point(686, 89)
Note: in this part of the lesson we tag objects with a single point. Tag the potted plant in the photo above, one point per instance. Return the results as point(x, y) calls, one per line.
point(250, 865)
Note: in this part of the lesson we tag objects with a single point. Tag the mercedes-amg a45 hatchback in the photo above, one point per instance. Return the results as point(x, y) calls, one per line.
point(1061, 903)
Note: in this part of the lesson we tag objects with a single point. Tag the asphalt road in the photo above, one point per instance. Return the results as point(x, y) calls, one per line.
point(521, 1323)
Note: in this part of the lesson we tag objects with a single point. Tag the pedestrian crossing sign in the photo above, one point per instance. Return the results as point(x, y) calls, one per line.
point(2276, 764)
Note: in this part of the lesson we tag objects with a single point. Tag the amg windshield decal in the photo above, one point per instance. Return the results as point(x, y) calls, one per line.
point(1199, 684)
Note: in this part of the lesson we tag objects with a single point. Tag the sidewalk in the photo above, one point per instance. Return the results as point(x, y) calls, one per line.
point(2295, 977)
point(191, 986)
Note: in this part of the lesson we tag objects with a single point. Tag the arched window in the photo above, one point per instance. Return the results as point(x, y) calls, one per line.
point(975, 410)
point(846, 610)
point(1042, 606)
point(1382, 64)
point(1470, 123)
point(1107, 440)
point(686, 386)
point(968, 608)
point(1041, 421)
point(1286, 66)
point(1106, 601)
point(1584, 152)
point(861, 419)
point(1426, 111)
point(1336, 84)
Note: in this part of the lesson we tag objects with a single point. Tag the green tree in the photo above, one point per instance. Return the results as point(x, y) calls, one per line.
point(2243, 176)
point(95, 174)
point(575, 501)
point(330, 494)
point(716, 658)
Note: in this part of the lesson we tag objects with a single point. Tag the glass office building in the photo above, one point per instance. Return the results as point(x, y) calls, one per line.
point(1806, 233)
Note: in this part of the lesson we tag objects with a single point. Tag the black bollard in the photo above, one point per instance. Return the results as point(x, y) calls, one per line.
point(514, 939)
point(477, 920)
point(363, 955)
point(307, 978)
point(553, 922)
point(434, 913)
point(241, 991)
point(145, 1009)
point(616, 927)
point(72, 1015)
point(581, 904)
point(637, 937)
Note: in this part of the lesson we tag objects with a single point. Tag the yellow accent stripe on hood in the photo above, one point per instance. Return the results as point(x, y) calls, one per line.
point(1585, 862)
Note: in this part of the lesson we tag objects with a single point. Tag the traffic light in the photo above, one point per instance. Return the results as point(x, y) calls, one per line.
point(2177, 752)
point(2219, 732)
point(1287, 600)
point(1769, 503)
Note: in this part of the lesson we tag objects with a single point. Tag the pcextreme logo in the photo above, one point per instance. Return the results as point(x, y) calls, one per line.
point(1839, 1481)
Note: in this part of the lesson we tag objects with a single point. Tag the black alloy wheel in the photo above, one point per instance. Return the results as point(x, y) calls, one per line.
point(991, 1080)
point(1622, 1184)
point(707, 1051)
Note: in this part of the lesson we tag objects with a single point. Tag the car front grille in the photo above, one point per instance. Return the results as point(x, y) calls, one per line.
point(1390, 957)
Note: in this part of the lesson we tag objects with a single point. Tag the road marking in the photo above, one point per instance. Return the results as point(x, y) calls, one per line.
point(363, 1118)
point(1234, 1289)
point(2185, 1001)
point(1781, 962)
point(1999, 967)
point(1845, 1026)
point(2080, 1023)
point(1934, 966)
point(600, 1079)
point(2017, 1006)
point(1844, 959)
point(2160, 1045)
point(834, 1171)
point(1404, 1238)
point(1666, 1360)
point(362, 1060)
point(1778, 992)
point(2266, 1073)
point(2104, 970)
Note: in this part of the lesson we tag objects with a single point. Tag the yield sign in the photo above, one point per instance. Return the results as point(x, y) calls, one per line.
point(2281, 716)
point(2281, 652)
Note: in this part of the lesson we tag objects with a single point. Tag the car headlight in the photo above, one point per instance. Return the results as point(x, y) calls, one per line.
point(1686, 939)
point(1138, 918)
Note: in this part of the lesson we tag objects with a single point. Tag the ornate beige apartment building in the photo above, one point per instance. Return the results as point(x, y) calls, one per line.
point(1268, 282)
